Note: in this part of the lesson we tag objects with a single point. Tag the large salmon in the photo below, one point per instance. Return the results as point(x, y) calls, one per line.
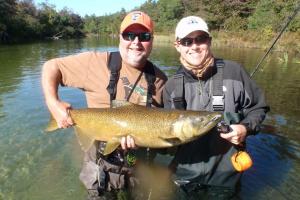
point(150, 127)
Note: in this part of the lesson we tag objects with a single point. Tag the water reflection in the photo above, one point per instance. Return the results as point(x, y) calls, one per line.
point(273, 173)
point(34, 165)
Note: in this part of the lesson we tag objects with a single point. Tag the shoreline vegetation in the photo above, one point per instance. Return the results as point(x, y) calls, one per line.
point(288, 42)
point(233, 23)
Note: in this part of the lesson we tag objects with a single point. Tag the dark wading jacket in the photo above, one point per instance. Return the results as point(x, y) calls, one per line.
point(207, 160)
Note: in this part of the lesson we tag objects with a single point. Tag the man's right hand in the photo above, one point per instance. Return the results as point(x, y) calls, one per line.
point(60, 112)
point(127, 142)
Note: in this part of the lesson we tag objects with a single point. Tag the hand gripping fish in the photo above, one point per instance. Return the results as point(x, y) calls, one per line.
point(149, 127)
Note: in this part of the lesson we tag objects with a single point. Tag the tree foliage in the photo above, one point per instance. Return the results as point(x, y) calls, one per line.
point(21, 19)
point(7, 11)
point(271, 14)
point(228, 15)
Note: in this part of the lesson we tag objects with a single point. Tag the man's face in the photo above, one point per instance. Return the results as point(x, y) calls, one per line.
point(194, 48)
point(135, 49)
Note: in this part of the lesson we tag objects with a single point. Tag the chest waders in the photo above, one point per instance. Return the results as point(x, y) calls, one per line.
point(115, 169)
point(218, 97)
point(218, 102)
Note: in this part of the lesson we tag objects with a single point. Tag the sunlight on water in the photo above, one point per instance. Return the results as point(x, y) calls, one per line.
point(36, 165)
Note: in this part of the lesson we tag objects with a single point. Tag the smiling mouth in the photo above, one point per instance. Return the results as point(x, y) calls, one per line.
point(135, 48)
point(135, 51)
point(195, 52)
point(196, 56)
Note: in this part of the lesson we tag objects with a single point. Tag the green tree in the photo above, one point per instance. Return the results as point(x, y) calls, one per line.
point(193, 7)
point(91, 24)
point(171, 11)
point(7, 12)
point(70, 24)
point(228, 14)
point(26, 24)
point(48, 18)
point(150, 7)
point(272, 14)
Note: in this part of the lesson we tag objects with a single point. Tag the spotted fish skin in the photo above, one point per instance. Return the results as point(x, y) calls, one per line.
point(149, 127)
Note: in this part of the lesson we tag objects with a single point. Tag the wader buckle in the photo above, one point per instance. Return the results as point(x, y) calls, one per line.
point(218, 103)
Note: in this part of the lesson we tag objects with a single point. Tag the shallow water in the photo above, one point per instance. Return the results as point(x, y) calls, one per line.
point(36, 165)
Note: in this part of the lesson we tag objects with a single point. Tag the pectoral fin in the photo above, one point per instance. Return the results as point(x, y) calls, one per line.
point(52, 125)
point(84, 139)
point(173, 141)
point(111, 146)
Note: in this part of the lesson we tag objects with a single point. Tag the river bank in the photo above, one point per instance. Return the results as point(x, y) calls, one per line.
point(289, 42)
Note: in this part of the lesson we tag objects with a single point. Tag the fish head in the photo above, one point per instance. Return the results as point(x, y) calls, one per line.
point(190, 127)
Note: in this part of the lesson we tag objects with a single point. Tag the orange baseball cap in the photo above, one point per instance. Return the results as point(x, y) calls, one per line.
point(137, 17)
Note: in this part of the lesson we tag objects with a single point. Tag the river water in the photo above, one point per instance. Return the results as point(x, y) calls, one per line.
point(36, 165)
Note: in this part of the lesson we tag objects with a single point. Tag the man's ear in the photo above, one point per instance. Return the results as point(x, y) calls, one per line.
point(209, 41)
point(177, 46)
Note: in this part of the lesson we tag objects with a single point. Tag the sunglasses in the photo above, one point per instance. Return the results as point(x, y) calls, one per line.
point(143, 37)
point(200, 39)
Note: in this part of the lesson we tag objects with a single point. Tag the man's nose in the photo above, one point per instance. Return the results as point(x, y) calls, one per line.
point(136, 39)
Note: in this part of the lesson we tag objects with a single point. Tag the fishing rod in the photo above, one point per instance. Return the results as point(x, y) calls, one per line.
point(241, 160)
point(290, 18)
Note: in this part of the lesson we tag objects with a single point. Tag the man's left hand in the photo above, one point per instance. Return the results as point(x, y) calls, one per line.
point(237, 135)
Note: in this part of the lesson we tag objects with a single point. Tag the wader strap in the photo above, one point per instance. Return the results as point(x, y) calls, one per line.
point(102, 179)
point(114, 64)
point(179, 100)
point(218, 95)
point(134, 85)
point(150, 78)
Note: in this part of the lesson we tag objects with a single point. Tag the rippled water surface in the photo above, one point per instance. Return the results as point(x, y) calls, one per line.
point(36, 165)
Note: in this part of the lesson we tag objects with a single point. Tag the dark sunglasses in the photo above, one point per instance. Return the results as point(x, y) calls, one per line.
point(200, 39)
point(143, 37)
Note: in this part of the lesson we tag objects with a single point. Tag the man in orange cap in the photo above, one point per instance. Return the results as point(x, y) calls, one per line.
point(105, 76)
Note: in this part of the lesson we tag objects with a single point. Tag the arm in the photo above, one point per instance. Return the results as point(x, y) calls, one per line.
point(253, 105)
point(253, 108)
point(68, 71)
point(51, 78)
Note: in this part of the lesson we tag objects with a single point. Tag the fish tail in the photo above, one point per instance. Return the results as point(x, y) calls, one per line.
point(52, 125)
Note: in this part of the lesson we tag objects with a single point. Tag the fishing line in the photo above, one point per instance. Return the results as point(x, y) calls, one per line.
point(290, 18)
